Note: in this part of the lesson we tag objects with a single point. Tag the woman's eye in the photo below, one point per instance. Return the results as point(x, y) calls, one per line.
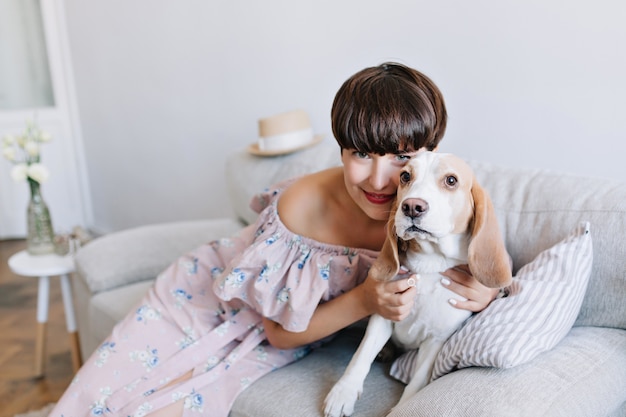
point(360, 155)
point(403, 158)
point(405, 177)
point(451, 181)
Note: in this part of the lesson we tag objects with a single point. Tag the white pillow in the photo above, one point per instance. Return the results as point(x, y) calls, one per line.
point(539, 310)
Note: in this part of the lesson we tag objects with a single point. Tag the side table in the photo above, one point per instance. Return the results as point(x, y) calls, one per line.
point(43, 267)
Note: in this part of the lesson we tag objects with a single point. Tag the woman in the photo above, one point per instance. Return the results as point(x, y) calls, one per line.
point(235, 309)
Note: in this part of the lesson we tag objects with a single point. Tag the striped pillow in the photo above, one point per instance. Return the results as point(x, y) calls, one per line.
point(539, 310)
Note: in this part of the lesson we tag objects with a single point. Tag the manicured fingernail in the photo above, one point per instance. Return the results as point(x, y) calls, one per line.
point(452, 301)
point(445, 281)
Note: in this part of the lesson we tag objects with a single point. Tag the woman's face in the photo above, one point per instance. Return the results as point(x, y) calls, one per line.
point(372, 180)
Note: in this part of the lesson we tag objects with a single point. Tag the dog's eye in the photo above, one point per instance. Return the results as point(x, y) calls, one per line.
point(451, 181)
point(405, 177)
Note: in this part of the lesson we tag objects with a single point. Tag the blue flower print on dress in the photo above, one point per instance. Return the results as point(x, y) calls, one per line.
point(188, 340)
point(149, 357)
point(223, 328)
point(104, 352)
point(266, 271)
point(303, 258)
point(99, 407)
point(192, 401)
point(324, 270)
point(305, 250)
point(245, 382)
point(216, 271)
point(283, 295)
point(272, 239)
point(350, 254)
point(191, 266)
point(143, 410)
point(145, 313)
point(259, 231)
point(236, 278)
point(261, 353)
point(224, 242)
point(211, 362)
point(181, 297)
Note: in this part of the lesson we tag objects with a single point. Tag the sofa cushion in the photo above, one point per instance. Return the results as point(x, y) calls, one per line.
point(540, 309)
point(583, 376)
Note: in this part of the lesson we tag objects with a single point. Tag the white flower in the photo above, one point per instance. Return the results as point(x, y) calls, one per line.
point(44, 137)
point(19, 172)
point(20, 140)
point(31, 148)
point(9, 153)
point(24, 151)
point(8, 140)
point(38, 172)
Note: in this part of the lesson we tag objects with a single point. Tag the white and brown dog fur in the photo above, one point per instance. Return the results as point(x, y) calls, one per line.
point(442, 218)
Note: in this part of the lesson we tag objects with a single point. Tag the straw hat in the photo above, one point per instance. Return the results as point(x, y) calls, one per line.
point(284, 133)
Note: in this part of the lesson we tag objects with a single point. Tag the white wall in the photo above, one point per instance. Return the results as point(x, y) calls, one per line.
point(167, 89)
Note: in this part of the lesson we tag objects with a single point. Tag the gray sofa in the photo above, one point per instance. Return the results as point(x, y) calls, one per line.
point(583, 375)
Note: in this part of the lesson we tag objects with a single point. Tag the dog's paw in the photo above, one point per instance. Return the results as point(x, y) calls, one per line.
point(341, 399)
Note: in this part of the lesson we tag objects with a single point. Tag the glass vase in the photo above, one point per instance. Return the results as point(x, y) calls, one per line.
point(40, 239)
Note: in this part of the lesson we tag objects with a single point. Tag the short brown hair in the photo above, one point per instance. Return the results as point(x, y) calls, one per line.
point(387, 109)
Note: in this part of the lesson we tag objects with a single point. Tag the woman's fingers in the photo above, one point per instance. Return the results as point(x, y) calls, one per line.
point(460, 281)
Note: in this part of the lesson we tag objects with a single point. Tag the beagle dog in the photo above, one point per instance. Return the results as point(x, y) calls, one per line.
point(441, 218)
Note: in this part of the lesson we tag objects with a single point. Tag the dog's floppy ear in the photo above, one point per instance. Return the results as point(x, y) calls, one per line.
point(387, 264)
point(488, 259)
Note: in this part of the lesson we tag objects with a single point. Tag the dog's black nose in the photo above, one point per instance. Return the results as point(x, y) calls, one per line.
point(414, 207)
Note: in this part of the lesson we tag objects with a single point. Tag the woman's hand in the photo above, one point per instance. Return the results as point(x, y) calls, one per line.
point(460, 280)
point(393, 299)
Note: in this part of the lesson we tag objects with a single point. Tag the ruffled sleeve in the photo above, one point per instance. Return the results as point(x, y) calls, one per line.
point(263, 199)
point(284, 276)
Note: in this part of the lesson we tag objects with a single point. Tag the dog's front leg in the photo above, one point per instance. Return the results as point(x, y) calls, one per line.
point(341, 399)
point(423, 368)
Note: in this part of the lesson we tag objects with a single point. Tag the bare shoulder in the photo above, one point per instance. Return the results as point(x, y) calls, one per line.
point(302, 206)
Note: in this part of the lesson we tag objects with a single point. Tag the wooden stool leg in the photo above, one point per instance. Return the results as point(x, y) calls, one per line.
point(40, 349)
point(77, 360)
point(42, 319)
point(70, 320)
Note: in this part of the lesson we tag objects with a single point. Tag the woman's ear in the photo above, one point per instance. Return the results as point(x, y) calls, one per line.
point(488, 259)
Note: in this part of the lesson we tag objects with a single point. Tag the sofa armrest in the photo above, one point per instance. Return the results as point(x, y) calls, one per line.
point(141, 253)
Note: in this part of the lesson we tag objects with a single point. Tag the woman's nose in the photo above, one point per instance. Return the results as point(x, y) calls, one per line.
point(379, 177)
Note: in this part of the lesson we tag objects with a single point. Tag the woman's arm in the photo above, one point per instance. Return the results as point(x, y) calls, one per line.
point(392, 300)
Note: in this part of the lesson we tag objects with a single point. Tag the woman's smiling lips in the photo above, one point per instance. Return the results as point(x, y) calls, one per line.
point(378, 198)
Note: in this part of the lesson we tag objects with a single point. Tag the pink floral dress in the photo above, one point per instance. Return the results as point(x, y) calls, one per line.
point(204, 313)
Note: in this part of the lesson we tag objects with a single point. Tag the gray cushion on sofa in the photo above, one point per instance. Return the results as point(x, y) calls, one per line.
point(143, 252)
point(589, 364)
